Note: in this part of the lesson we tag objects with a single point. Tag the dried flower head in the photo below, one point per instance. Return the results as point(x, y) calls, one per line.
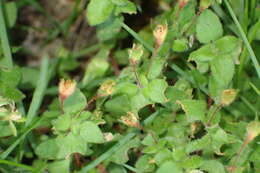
point(160, 33)
point(228, 96)
point(66, 88)
point(15, 116)
point(107, 88)
point(131, 120)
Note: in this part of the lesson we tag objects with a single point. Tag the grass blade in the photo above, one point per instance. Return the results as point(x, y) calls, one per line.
point(118, 145)
point(108, 153)
point(244, 38)
point(39, 91)
point(137, 37)
point(131, 168)
point(7, 60)
point(6, 162)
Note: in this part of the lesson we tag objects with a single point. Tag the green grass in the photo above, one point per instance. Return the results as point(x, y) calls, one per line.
point(52, 70)
point(26, 167)
point(7, 60)
point(39, 91)
point(244, 38)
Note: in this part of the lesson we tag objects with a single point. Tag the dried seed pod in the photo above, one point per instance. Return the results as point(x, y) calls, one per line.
point(159, 34)
point(66, 88)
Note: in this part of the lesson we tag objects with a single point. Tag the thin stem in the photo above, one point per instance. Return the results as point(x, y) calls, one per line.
point(7, 60)
point(218, 107)
point(133, 64)
point(244, 38)
point(233, 167)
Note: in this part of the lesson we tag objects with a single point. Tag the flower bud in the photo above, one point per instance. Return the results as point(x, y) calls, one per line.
point(136, 53)
point(131, 120)
point(66, 88)
point(160, 33)
point(107, 88)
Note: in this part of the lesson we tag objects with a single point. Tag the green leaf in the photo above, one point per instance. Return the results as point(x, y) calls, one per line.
point(62, 123)
point(29, 78)
point(121, 155)
point(10, 11)
point(47, 149)
point(225, 46)
point(192, 162)
point(127, 88)
point(90, 132)
point(124, 6)
point(114, 168)
point(209, 27)
point(75, 102)
point(219, 138)
point(148, 140)
point(156, 67)
point(139, 101)
point(180, 45)
point(95, 69)
point(198, 144)
point(11, 77)
point(213, 166)
point(194, 109)
point(186, 15)
point(70, 144)
point(162, 156)
point(98, 11)
point(5, 129)
point(10, 92)
point(118, 105)
point(169, 167)
point(155, 90)
point(59, 166)
point(174, 94)
point(223, 69)
point(109, 29)
point(143, 164)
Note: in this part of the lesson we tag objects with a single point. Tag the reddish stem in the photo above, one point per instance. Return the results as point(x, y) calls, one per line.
point(77, 160)
point(115, 66)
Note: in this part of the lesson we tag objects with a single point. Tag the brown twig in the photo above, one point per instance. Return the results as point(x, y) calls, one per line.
point(114, 65)
point(77, 160)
